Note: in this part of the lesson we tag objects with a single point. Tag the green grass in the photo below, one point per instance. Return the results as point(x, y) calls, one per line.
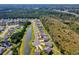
point(21, 50)
point(0, 32)
point(18, 30)
point(43, 53)
point(7, 51)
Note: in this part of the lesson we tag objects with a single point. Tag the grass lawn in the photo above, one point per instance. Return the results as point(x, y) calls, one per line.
point(18, 30)
point(21, 49)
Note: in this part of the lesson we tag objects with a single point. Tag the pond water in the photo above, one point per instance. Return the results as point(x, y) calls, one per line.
point(26, 41)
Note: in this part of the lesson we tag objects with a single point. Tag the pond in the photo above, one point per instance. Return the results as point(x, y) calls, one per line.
point(26, 41)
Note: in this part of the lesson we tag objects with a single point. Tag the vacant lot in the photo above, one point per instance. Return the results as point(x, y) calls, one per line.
point(67, 40)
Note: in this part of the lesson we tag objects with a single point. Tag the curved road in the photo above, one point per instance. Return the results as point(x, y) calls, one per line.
point(77, 15)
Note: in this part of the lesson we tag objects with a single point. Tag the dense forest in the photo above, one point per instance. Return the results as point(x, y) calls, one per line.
point(37, 10)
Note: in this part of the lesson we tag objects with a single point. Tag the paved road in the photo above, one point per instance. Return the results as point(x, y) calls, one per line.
point(68, 12)
point(26, 41)
point(7, 51)
point(10, 53)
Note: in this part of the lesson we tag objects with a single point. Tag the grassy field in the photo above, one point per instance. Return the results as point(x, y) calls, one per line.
point(65, 39)
point(73, 26)
point(21, 50)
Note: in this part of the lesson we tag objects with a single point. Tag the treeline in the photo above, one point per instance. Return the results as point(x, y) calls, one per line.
point(16, 37)
point(23, 13)
point(35, 13)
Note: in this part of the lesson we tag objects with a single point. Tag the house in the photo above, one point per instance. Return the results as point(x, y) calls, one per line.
point(18, 26)
point(6, 44)
point(6, 37)
point(36, 43)
point(45, 37)
point(48, 44)
point(37, 52)
point(1, 29)
point(47, 49)
point(2, 23)
point(1, 50)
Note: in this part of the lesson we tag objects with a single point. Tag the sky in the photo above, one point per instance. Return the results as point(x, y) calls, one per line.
point(39, 2)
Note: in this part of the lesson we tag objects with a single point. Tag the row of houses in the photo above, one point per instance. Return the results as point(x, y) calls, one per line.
point(1, 28)
point(4, 22)
point(45, 37)
point(2, 49)
point(6, 44)
point(42, 40)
